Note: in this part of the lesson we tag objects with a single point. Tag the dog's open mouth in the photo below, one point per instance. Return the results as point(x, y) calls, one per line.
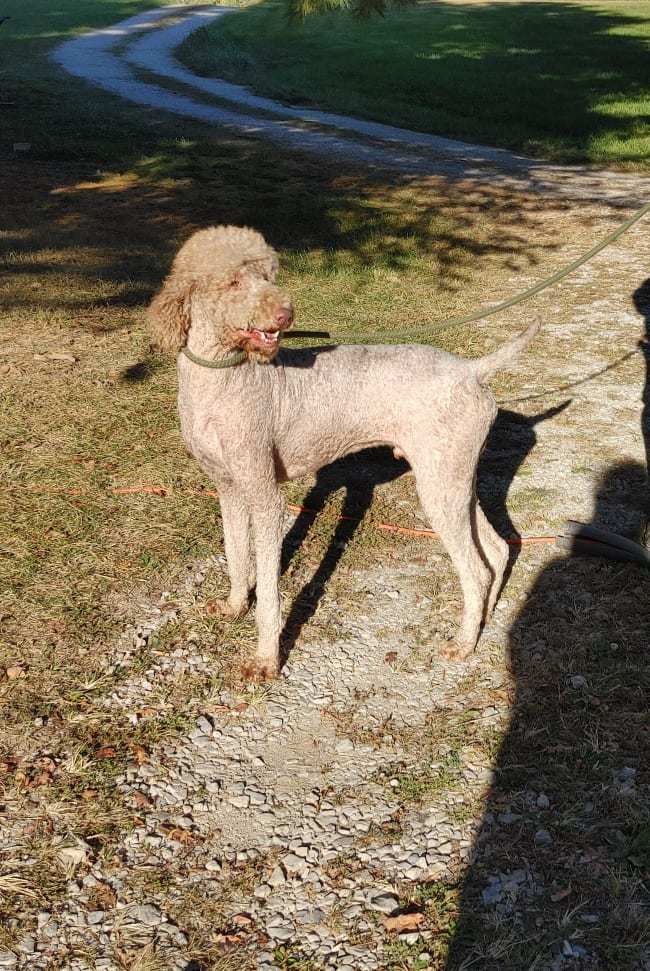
point(264, 340)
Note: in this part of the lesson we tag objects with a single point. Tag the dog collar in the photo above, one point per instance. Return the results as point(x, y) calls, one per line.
point(231, 361)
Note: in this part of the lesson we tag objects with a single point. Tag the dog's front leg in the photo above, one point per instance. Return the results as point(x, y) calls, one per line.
point(235, 517)
point(266, 510)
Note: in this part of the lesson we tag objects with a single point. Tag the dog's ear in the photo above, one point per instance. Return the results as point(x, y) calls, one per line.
point(169, 314)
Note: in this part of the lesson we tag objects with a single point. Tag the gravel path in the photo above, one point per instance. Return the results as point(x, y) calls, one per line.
point(111, 57)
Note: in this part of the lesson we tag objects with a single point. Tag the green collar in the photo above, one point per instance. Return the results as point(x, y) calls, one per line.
point(237, 358)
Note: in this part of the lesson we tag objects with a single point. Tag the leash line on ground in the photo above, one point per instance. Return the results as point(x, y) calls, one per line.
point(484, 312)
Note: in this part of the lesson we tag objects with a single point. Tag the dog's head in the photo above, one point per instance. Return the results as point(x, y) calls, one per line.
point(222, 283)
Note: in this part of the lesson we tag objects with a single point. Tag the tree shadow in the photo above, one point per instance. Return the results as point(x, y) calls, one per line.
point(559, 856)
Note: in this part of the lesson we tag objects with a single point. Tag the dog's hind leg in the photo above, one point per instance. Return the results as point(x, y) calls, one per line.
point(446, 491)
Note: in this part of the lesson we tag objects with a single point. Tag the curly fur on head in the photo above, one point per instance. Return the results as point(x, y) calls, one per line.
point(208, 258)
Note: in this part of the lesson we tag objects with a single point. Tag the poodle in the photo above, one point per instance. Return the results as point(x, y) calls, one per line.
point(254, 415)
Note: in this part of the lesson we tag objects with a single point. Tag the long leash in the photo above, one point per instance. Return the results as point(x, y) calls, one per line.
point(482, 313)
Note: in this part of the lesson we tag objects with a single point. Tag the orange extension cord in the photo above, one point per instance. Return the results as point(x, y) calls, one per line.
point(161, 492)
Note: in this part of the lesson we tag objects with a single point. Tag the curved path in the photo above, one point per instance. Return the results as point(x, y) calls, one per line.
point(111, 58)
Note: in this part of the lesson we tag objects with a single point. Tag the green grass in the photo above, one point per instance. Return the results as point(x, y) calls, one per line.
point(560, 80)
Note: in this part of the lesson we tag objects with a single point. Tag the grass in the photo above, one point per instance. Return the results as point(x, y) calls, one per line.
point(560, 80)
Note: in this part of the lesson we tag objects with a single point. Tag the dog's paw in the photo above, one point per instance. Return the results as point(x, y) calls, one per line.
point(260, 670)
point(226, 610)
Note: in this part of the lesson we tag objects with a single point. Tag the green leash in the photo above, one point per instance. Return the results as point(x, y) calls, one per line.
point(405, 336)
point(232, 360)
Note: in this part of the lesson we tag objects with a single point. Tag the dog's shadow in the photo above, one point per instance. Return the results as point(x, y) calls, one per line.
point(511, 439)
point(358, 475)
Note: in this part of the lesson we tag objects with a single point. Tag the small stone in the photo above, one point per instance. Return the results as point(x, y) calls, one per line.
point(543, 802)
point(293, 863)
point(543, 837)
point(95, 917)
point(311, 915)
point(577, 681)
point(280, 933)
point(146, 914)
point(507, 818)
point(277, 878)
point(213, 866)
point(73, 856)
point(385, 903)
point(239, 802)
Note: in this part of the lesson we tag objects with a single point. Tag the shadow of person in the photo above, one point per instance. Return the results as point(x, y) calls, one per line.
point(556, 868)
point(641, 298)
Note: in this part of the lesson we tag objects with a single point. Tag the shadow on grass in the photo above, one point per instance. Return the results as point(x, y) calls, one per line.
point(560, 854)
point(641, 298)
point(108, 241)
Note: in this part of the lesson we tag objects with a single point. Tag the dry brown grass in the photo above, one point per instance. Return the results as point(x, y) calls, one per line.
point(87, 411)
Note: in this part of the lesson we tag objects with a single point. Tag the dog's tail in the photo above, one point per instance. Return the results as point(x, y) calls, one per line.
point(485, 367)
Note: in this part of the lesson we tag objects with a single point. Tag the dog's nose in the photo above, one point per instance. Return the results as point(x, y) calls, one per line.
point(284, 316)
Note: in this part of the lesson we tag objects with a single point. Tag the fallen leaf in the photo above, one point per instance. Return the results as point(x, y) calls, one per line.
point(89, 794)
point(403, 922)
point(390, 657)
point(15, 671)
point(142, 801)
point(242, 920)
point(104, 896)
point(140, 754)
point(180, 836)
point(228, 939)
point(105, 752)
